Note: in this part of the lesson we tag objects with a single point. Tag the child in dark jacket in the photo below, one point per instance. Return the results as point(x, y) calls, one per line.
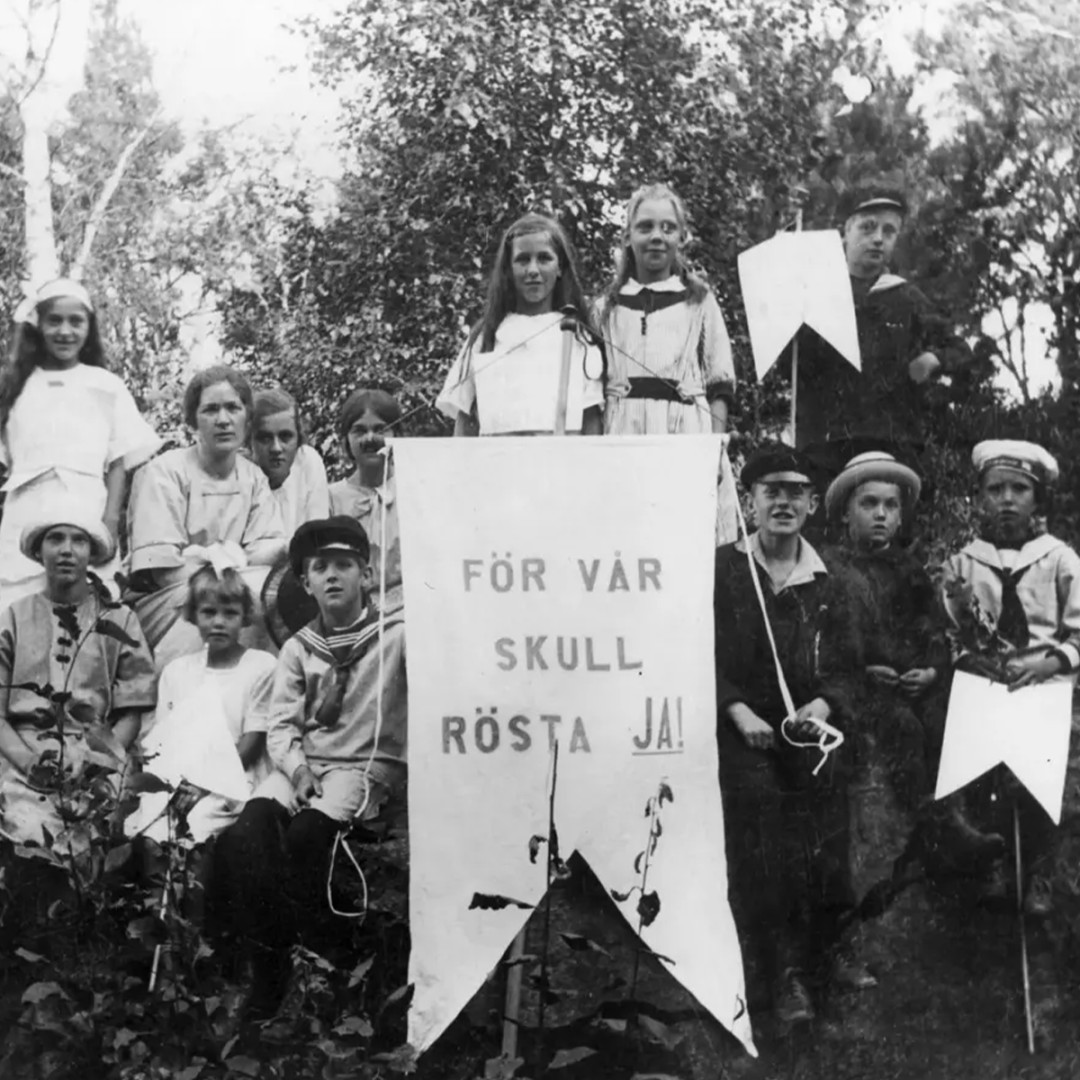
point(781, 822)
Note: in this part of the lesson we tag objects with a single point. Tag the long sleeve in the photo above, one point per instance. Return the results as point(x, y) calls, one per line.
point(157, 516)
point(717, 363)
point(1068, 587)
point(135, 683)
point(285, 725)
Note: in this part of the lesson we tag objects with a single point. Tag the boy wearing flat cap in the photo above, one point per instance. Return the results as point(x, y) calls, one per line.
point(336, 733)
point(1013, 598)
point(902, 344)
point(885, 654)
point(72, 637)
point(779, 820)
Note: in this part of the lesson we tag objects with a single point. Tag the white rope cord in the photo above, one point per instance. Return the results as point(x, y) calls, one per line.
point(339, 837)
point(829, 737)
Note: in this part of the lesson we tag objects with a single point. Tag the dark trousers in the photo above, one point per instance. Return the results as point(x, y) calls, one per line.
point(787, 848)
point(269, 878)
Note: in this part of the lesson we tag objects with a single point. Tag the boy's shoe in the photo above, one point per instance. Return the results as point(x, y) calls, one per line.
point(792, 1003)
point(1039, 898)
point(849, 973)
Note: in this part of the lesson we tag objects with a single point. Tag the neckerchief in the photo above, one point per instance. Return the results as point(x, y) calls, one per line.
point(340, 648)
point(1012, 625)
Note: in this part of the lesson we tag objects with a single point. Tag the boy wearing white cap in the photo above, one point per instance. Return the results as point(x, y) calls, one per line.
point(885, 652)
point(1013, 598)
point(73, 638)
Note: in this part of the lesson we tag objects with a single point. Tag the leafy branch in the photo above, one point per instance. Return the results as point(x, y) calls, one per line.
point(648, 905)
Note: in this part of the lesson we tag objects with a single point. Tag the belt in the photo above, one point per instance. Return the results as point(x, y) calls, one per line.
point(656, 389)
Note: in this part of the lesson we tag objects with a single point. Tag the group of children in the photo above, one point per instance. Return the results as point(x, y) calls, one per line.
point(238, 544)
point(864, 641)
point(166, 654)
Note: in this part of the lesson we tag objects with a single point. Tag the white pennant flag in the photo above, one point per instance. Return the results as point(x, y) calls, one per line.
point(792, 279)
point(1026, 729)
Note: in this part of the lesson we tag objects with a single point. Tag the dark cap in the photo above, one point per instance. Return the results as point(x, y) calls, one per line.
point(867, 197)
point(774, 459)
point(338, 533)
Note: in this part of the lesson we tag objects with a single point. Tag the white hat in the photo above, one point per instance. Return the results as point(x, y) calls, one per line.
point(1023, 457)
point(873, 465)
point(53, 290)
point(102, 545)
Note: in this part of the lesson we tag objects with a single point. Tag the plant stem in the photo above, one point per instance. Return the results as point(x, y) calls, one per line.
point(551, 856)
point(653, 808)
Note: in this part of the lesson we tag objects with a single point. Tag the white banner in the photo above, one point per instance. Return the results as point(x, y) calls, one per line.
point(1027, 729)
point(561, 590)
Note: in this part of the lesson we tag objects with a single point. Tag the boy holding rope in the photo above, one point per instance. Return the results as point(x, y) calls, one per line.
point(786, 828)
point(337, 736)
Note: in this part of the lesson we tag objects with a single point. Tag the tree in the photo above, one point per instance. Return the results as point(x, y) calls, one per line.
point(462, 115)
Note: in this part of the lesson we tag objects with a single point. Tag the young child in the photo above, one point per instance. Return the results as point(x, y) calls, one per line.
point(293, 468)
point(1013, 598)
point(885, 654)
point(71, 637)
point(786, 830)
point(669, 356)
point(506, 379)
point(337, 737)
point(225, 683)
point(68, 427)
point(367, 493)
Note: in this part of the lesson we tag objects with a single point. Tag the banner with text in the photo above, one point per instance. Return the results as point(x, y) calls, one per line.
point(560, 591)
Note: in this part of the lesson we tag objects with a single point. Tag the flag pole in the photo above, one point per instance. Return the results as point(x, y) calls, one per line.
point(798, 197)
point(1023, 931)
point(512, 1001)
point(568, 326)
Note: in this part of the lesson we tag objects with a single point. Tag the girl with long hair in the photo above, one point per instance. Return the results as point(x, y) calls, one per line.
point(506, 379)
point(68, 426)
point(671, 368)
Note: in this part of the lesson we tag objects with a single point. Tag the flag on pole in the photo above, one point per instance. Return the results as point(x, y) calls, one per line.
point(798, 278)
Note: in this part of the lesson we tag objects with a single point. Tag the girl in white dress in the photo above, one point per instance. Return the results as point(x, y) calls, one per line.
point(209, 702)
point(505, 381)
point(69, 428)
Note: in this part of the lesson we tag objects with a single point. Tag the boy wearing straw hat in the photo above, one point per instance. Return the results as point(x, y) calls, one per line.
point(1013, 599)
point(886, 655)
point(780, 821)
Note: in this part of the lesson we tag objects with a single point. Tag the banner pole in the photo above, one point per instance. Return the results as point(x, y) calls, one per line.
point(512, 1004)
point(798, 195)
point(568, 326)
point(1023, 931)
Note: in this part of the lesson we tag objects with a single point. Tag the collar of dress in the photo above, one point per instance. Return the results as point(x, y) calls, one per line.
point(670, 284)
point(984, 552)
